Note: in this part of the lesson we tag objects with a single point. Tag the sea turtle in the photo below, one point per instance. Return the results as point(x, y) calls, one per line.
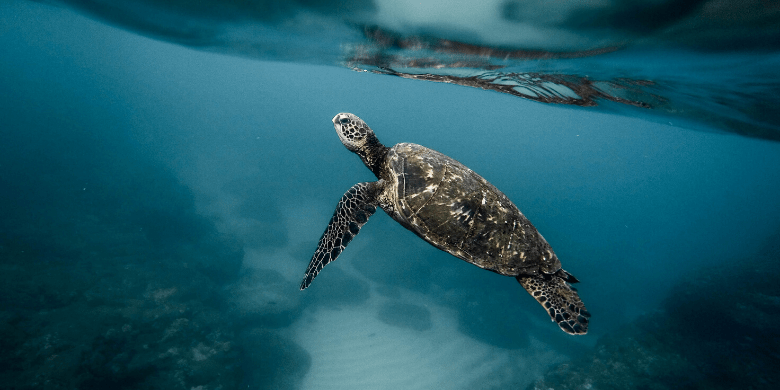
point(454, 209)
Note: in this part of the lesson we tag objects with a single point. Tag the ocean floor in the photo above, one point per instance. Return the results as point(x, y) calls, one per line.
point(381, 336)
point(353, 349)
point(96, 293)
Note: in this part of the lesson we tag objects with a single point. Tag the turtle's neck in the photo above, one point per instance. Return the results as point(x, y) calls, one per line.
point(373, 155)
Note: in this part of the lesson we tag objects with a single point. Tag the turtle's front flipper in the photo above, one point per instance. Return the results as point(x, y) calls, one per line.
point(559, 299)
point(352, 212)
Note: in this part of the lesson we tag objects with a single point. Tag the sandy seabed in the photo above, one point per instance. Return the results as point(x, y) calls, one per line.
point(352, 349)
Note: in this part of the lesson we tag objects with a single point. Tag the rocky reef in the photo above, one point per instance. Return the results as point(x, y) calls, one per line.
point(716, 330)
point(109, 279)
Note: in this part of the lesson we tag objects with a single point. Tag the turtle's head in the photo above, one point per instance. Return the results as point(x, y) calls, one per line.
point(359, 138)
point(353, 132)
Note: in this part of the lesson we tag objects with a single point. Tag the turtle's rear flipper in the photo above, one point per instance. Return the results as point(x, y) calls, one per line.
point(559, 299)
point(352, 212)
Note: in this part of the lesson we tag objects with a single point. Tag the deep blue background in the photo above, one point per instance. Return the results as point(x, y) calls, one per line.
point(630, 206)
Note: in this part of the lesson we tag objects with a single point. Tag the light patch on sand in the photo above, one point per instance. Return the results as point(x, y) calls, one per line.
point(200, 353)
point(161, 295)
point(352, 349)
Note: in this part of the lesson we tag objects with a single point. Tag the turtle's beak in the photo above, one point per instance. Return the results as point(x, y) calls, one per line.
point(337, 125)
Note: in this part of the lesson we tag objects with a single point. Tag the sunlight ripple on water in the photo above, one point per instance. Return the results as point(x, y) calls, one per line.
point(629, 52)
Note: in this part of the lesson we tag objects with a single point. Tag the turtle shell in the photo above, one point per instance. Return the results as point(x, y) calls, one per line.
point(458, 211)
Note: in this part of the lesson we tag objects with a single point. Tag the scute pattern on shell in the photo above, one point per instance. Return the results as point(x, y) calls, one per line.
point(458, 211)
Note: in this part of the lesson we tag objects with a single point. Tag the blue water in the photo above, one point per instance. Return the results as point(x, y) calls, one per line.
point(161, 203)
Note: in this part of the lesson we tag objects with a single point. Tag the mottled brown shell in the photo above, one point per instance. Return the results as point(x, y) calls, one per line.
point(458, 211)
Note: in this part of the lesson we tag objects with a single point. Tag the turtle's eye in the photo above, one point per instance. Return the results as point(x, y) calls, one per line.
point(344, 121)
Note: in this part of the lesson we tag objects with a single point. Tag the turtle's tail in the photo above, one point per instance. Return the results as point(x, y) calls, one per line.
point(559, 299)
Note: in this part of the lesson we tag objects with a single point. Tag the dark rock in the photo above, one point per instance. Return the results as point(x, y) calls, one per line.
point(272, 361)
point(178, 353)
point(405, 315)
point(633, 358)
point(156, 340)
point(717, 330)
point(108, 276)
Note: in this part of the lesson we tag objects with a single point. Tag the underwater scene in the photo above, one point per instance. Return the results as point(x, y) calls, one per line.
point(168, 168)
